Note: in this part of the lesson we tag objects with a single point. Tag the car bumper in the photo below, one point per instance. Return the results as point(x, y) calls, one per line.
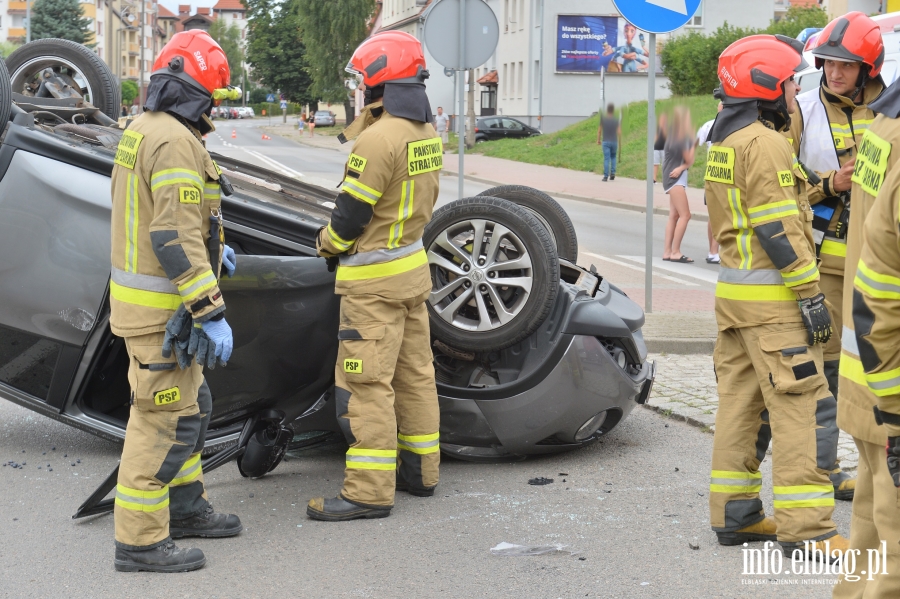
point(556, 414)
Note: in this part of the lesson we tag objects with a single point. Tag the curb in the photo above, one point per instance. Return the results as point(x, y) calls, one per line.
point(704, 426)
point(598, 201)
point(677, 345)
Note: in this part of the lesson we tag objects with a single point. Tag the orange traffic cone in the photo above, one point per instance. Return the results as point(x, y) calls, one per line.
point(264, 136)
point(234, 134)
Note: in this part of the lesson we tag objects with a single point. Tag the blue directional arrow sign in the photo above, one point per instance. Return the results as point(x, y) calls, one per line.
point(657, 16)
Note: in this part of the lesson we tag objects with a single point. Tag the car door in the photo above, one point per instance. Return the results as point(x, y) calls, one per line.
point(494, 129)
point(514, 129)
point(55, 244)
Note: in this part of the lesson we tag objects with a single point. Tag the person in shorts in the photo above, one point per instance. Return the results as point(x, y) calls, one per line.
point(442, 126)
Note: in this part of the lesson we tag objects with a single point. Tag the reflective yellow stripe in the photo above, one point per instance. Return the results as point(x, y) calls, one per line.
point(801, 275)
point(834, 248)
point(386, 269)
point(336, 239)
point(772, 211)
point(728, 481)
point(842, 129)
point(371, 459)
point(148, 299)
point(802, 496)
point(420, 444)
point(403, 213)
point(876, 284)
point(142, 501)
point(360, 191)
point(193, 288)
point(851, 368)
point(378, 453)
point(419, 438)
point(191, 470)
point(755, 293)
point(742, 224)
point(175, 176)
point(131, 223)
point(884, 384)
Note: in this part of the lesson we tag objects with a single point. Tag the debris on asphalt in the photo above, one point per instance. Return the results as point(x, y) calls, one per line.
point(540, 481)
point(251, 494)
point(73, 463)
point(564, 474)
point(581, 559)
point(694, 546)
point(676, 470)
point(505, 549)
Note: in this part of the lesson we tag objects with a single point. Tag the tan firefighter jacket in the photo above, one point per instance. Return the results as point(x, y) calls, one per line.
point(871, 356)
point(165, 191)
point(759, 213)
point(389, 190)
point(825, 133)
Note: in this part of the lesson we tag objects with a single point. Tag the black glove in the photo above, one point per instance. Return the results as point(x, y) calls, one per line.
point(816, 319)
point(201, 347)
point(177, 337)
point(893, 459)
point(332, 263)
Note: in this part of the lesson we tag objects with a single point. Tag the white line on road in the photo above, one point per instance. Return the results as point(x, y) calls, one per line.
point(638, 268)
point(686, 270)
point(274, 164)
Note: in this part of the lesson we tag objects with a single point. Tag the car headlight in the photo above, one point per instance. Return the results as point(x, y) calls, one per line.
point(590, 427)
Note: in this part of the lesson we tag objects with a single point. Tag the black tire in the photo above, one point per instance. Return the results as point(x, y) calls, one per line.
point(455, 319)
point(33, 57)
point(5, 96)
point(549, 212)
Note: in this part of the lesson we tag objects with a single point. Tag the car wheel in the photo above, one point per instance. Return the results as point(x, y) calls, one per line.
point(78, 65)
point(494, 273)
point(547, 210)
point(5, 95)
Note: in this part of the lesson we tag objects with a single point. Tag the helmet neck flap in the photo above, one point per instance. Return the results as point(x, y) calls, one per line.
point(888, 103)
point(167, 93)
point(738, 113)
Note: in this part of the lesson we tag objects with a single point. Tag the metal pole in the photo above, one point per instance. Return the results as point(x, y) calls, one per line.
point(27, 21)
point(651, 136)
point(461, 126)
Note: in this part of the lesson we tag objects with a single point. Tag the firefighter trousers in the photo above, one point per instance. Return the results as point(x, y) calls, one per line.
point(875, 519)
point(771, 387)
point(386, 398)
point(833, 287)
point(160, 473)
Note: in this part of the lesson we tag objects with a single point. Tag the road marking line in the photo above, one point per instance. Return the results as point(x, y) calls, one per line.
point(275, 164)
point(639, 269)
point(685, 270)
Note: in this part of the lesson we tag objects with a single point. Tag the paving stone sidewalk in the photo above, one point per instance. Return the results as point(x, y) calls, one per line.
point(685, 389)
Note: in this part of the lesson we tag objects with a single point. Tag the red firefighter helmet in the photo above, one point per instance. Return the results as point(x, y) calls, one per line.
point(195, 58)
point(851, 38)
point(755, 67)
point(390, 56)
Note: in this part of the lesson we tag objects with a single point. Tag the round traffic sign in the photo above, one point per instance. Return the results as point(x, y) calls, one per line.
point(482, 32)
point(657, 16)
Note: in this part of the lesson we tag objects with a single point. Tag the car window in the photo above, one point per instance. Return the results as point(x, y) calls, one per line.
point(511, 124)
point(493, 123)
point(809, 80)
point(323, 113)
point(889, 71)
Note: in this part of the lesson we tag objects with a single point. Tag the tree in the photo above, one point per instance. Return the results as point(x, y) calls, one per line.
point(332, 31)
point(797, 19)
point(229, 37)
point(60, 18)
point(129, 91)
point(690, 61)
point(276, 51)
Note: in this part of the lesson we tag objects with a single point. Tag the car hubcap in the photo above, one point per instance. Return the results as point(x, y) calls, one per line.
point(481, 273)
point(29, 75)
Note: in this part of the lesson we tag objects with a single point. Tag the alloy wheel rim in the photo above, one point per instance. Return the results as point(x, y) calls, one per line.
point(482, 275)
point(31, 69)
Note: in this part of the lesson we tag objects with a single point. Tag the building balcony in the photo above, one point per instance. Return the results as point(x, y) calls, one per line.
point(130, 72)
point(134, 49)
point(15, 33)
point(16, 8)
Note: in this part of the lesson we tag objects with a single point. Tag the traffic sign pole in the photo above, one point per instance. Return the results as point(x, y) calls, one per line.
point(461, 125)
point(651, 134)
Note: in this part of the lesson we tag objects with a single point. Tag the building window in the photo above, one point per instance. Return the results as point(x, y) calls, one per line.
point(519, 84)
point(505, 79)
point(537, 78)
point(697, 19)
point(234, 15)
point(521, 14)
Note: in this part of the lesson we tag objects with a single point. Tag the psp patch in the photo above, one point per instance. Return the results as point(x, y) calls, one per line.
point(126, 152)
point(353, 366)
point(786, 178)
point(167, 397)
point(189, 195)
point(424, 156)
point(357, 163)
point(720, 165)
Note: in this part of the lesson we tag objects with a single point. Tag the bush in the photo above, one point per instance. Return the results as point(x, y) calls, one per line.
point(797, 19)
point(129, 92)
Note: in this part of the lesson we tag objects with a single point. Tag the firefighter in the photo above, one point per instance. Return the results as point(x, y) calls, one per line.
point(868, 355)
point(385, 392)
point(167, 254)
point(770, 311)
point(825, 135)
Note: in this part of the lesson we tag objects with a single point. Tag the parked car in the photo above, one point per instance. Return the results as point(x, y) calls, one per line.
point(325, 118)
point(247, 112)
point(533, 354)
point(502, 127)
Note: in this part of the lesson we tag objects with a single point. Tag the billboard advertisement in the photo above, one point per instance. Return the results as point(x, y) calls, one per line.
point(589, 44)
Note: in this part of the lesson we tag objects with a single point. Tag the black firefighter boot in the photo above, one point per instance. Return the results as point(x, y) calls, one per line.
point(162, 558)
point(338, 509)
point(206, 524)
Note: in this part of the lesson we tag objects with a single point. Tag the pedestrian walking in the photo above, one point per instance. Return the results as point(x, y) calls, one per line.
point(442, 126)
point(832, 119)
point(609, 135)
point(771, 314)
point(312, 123)
point(868, 356)
point(167, 253)
point(702, 140)
point(659, 146)
point(679, 156)
point(385, 392)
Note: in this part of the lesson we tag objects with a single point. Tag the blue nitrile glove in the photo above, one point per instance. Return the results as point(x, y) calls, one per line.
point(229, 261)
point(210, 340)
point(177, 337)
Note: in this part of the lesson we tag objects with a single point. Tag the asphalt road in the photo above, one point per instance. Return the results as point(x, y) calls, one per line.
point(628, 507)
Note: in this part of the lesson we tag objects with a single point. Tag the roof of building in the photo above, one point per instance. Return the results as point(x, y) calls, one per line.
point(235, 5)
point(184, 9)
point(203, 10)
point(165, 13)
point(403, 22)
point(805, 3)
point(489, 78)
